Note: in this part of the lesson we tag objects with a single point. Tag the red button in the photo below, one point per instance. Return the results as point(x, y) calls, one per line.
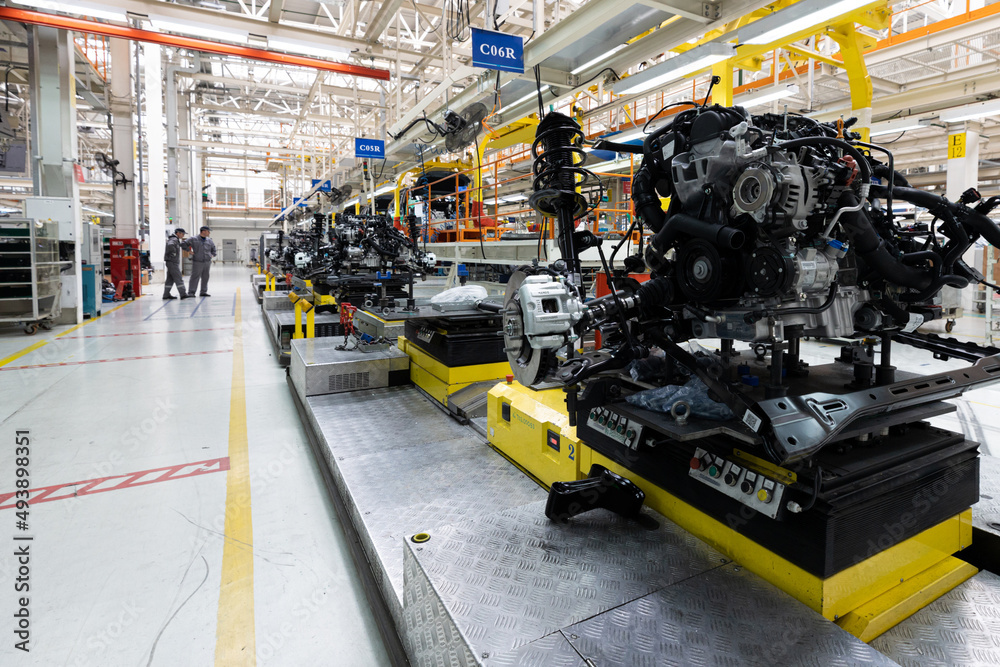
point(695, 463)
point(510, 379)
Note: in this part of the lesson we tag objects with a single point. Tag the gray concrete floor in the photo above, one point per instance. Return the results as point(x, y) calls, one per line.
point(132, 576)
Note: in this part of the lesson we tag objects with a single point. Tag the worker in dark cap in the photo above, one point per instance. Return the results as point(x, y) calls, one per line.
point(203, 249)
point(172, 261)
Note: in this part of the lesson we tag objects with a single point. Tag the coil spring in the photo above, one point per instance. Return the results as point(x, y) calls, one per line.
point(318, 224)
point(556, 175)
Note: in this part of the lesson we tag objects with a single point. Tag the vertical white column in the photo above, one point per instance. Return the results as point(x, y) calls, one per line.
point(154, 157)
point(122, 141)
point(963, 173)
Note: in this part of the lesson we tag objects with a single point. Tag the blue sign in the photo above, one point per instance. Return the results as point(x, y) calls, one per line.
point(370, 148)
point(326, 186)
point(496, 50)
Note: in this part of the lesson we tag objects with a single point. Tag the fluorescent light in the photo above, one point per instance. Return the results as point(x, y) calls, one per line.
point(102, 214)
point(769, 95)
point(307, 48)
point(798, 17)
point(516, 198)
point(198, 30)
point(77, 8)
point(388, 187)
point(971, 111)
point(895, 126)
point(676, 68)
point(527, 97)
point(619, 163)
point(598, 59)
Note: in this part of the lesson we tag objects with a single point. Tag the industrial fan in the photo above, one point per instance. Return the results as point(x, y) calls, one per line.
point(110, 167)
point(462, 128)
point(340, 195)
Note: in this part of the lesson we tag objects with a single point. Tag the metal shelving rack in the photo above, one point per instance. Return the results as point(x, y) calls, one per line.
point(29, 272)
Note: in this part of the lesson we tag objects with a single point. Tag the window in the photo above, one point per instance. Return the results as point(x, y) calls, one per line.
point(230, 197)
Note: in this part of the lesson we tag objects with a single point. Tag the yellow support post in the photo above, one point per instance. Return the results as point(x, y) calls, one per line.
point(296, 299)
point(310, 311)
point(851, 48)
point(722, 92)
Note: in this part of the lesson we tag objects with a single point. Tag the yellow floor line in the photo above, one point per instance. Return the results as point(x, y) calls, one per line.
point(235, 642)
point(42, 343)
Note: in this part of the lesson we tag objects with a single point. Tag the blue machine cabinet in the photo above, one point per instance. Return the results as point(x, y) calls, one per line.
point(91, 291)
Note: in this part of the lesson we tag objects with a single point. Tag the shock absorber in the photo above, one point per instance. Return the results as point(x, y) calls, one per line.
point(558, 177)
point(557, 184)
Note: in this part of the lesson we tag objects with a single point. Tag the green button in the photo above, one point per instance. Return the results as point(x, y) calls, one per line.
point(713, 471)
point(630, 433)
point(602, 420)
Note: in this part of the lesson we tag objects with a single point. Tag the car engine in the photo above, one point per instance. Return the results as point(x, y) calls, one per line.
point(778, 227)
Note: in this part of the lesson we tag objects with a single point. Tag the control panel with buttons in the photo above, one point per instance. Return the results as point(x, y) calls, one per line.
point(615, 426)
point(738, 482)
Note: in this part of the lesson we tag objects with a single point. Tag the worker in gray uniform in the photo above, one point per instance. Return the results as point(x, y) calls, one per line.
point(172, 262)
point(203, 249)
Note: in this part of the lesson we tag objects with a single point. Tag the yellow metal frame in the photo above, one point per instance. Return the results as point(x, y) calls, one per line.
point(440, 381)
point(865, 599)
point(303, 305)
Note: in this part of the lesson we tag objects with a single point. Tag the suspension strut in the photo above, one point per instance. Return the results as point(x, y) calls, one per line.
point(558, 179)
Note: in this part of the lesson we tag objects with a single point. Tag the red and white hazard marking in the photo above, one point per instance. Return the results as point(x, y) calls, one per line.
point(116, 482)
point(104, 361)
point(147, 333)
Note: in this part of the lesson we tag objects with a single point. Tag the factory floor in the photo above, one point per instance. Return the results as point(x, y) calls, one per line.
point(179, 516)
point(211, 539)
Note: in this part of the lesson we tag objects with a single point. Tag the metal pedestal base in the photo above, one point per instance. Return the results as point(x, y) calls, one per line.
point(318, 367)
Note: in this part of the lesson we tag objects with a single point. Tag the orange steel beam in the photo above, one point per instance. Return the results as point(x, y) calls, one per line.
point(138, 35)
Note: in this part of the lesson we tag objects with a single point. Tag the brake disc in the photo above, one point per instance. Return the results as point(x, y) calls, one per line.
point(529, 365)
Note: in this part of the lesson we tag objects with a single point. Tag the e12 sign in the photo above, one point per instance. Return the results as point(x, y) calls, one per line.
point(496, 50)
point(370, 148)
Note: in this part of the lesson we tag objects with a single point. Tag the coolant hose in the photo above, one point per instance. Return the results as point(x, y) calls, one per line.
point(727, 238)
point(870, 246)
point(647, 203)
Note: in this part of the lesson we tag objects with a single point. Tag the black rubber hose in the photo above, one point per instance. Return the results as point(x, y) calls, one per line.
point(912, 258)
point(647, 202)
point(941, 207)
point(898, 180)
point(950, 280)
point(870, 246)
point(723, 237)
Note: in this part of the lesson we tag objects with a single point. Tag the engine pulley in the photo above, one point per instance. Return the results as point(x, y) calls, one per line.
point(701, 271)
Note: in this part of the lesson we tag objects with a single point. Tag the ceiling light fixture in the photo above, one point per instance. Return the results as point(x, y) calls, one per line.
point(527, 97)
point(308, 48)
point(767, 95)
point(689, 62)
point(198, 30)
point(599, 59)
point(800, 16)
point(971, 111)
point(78, 9)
